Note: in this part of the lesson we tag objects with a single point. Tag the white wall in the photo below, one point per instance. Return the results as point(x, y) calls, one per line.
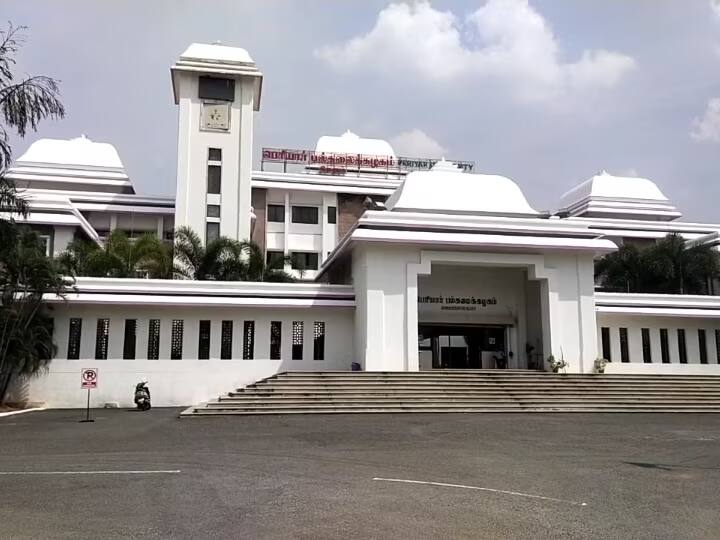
point(186, 381)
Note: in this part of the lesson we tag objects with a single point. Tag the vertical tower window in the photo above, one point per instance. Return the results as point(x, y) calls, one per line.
point(275, 339)
point(213, 179)
point(624, 348)
point(226, 337)
point(74, 337)
point(682, 346)
point(212, 231)
point(213, 210)
point(717, 346)
point(332, 214)
point(204, 340)
point(153, 352)
point(214, 154)
point(101, 339)
point(129, 339)
point(176, 339)
point(664, 346)
point(605, 338)
point(702, 344)
point(248, 340)
point(297, 340)
point(646, 350)
point(318, 340)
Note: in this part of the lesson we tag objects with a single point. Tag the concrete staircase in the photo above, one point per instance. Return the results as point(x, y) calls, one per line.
point(298, 392)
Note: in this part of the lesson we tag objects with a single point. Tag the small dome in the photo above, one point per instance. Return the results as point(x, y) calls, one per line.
point(625, 197)
point(216, 53)
point(80, 152)
point(349, 143)
point(445, 189)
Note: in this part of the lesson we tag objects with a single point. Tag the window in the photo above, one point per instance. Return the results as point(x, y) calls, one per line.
point(624, 349)
point(204, 340)
point(305, 214)
point(212, 231)
point(216, 88)
point(332, 214)
point(129, 340)
point(275, 339)
point(682, 347)
point(276, 213)
point(101, 339)
point(153, 352)
point(717, 346)
point(213, 179)
point(297, 340)
point(646, 351)
point(248, 340)
point(176, 340)
point(304, 261)
point(214, 154)
point(213, 210)
point(226, 335)
point(605, 338)
point(74, 337)
point(319, 340)
point(664, 346)
point(702, 344)
point(275, 259)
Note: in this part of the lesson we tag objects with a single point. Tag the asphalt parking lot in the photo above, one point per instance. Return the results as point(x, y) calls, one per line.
point(151, 475)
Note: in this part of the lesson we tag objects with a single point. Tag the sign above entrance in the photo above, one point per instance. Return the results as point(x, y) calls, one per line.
point(458, 303)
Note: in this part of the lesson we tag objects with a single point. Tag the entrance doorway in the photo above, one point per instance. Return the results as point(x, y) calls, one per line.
point(462, 347)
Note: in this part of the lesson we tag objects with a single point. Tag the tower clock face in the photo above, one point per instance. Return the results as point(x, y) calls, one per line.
point(215, 116)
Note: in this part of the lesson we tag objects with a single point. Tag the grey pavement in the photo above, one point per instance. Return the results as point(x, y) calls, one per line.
point(640, 476)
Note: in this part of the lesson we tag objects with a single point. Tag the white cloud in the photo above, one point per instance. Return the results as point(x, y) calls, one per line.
point(715, 6)
point(504, 40)
point(417, 143)
point(707, 127)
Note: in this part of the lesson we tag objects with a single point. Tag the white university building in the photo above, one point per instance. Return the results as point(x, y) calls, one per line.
point(405, 264)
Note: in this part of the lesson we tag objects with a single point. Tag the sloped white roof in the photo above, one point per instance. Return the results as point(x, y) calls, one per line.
point(605, 195)
point(80, 152)
point(216, 53)
point(445, 189)
point(349, 143)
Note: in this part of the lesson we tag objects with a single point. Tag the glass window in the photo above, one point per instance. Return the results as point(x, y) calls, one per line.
point(153, 352)
point(214, 154)
point(74, 338)
point(176, 340)
point(216, 88)
point(212, 231)
point(717, 346)
point(305, 214)
point(275, 259)
point(276, 213)
point(624, 348)
point(248, 340)
point(332, 214)
point(226, 336)
point(129, 340)
point(213, 210)
point(101, 339)
point(646, 350)
point(319, 340)
point(702, 344)
point(204, 340)
point(275, 339)
point(664, 346)
point(605, 338)
point(297, 340)
point(682, 346)
point(304, 261)
point(213, 179)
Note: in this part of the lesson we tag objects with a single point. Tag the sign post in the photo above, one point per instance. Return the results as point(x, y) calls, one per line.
point(88, 381)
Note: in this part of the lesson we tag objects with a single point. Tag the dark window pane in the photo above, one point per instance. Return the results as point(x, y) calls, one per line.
point(682, 347)
point(212, 232)
point(216, 88)
point(305, 214)
point(176, 340)
point(605, 338)
point(204, 340)
point(717, 346)
point(74, 338)
point(226, 336)
point(214, 154)
point(276, 213)
point(702, 344)
point(101, 339)
point(213, 178)
point(153, 352)
point(664, 346)
point(624, 348)
point(304, 261)
point(332, 214)
point(275, 339)
point(275, 259)
point(248, 340)
point(213, 210)
point(297, 340)
point(129, 340)
point(646, 350)
point(319, 340)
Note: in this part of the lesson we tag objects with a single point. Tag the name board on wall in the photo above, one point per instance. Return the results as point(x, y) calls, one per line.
point(457, 303)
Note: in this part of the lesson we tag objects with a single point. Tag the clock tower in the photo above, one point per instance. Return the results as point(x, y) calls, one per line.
point(218, 90)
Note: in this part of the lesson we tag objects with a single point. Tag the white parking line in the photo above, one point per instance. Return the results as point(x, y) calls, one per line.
point(504, 492)
point(21, 411)
point(39, 473)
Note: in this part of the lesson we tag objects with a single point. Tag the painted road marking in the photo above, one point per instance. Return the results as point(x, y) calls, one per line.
point(38, 473)
point(476, 488)
point(21, 411)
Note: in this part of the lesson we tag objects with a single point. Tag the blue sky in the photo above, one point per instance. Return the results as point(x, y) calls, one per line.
point(546, 92)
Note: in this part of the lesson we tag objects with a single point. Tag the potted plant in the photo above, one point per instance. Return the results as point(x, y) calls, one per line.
point(557, 364)
point(600, 364)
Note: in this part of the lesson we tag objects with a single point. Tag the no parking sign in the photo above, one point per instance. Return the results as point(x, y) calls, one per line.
point(88, 378)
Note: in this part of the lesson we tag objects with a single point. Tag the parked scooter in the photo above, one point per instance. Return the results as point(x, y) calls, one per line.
point(142, 395)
